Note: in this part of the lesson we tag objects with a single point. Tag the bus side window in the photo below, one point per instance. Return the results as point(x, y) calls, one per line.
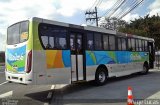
point(119, 44)
point(72, 42)
point(90, 41)
point(140, 45)
point(133, 44)
point(112, 42)
point(146, 46)
point(48, 46)
point(105, 42)
point(129, 44)
point(53, 37)
point(123, 40)
point(98, 41)
point(137, 45)
point(62, 43)
point(51, 42)
point(79, 44)
point(44, 40)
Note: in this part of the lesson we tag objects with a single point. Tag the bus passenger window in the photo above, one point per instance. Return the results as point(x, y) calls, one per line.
point(137, 45)
point(140, 45)
point(53, 37)
point(51, 42)
point(44, 40)
point(105, 42)
point(62, 43)
point(119, 44)
point(146, 46)
point(72, 42)
point(79, 43)
point(48, 46)
point(90, 41)
point(133, 44)
point(123, 44)
point(129, 45)
point(98, 41)
point(112, 42)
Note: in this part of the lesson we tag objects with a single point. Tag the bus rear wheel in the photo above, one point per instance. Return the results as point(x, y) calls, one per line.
point(101, 76)
point(145, 69)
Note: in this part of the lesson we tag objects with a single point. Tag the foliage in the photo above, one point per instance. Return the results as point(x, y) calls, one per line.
point(112, 23)
point(2, 57)
point(148, 26)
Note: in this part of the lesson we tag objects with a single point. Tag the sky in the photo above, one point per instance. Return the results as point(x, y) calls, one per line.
point(69, 11)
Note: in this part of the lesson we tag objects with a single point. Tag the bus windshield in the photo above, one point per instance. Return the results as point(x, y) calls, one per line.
point(17, 33)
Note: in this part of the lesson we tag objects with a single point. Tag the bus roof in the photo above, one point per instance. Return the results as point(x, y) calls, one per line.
point(90, 28)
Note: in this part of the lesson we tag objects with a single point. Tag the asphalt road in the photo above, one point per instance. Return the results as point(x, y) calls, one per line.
point(114, 92)
point(2, 76)
point(84, 93)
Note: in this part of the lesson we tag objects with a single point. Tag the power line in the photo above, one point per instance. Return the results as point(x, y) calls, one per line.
point(93, 5)
point(124, 8)
point(136, 5)
point(98, 4)
point(112, 12)
point(111, 9)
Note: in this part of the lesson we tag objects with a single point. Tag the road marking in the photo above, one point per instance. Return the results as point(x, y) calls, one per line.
point(7, 94)
point(4, 83)
point(49, 95)
point(155, 96)
point(53, 86)
point(46, 104)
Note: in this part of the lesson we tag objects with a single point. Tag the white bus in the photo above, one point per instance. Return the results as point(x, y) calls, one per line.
point(41, 51)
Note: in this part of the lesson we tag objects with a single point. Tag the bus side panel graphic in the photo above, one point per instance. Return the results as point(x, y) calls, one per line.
point(58, 58)
point(112, 57)
point(100, 57)
point(138, 57)
point(16, 59)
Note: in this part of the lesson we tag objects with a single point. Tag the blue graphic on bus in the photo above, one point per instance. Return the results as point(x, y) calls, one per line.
point(16, 59)
point(114, 57)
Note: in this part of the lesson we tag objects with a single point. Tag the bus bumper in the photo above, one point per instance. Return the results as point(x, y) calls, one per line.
point(18, 78)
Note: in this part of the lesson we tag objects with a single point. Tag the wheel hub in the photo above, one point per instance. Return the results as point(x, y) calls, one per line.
point(102, 76)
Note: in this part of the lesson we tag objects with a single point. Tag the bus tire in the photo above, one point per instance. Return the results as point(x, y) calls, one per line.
point(101, 76)
point(145, 68)
point(9, 81)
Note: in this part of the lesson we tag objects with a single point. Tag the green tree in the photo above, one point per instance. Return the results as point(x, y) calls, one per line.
point(147, 26)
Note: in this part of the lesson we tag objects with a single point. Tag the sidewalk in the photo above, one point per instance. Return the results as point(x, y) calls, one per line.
point(2, 68)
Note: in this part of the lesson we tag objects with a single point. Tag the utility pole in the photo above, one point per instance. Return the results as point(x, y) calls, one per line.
point(92, 16)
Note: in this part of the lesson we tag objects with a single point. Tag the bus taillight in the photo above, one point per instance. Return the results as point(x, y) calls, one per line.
point(29, 62)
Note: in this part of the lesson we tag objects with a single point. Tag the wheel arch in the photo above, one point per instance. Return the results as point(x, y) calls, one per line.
point(146, 63)
point(102, 66)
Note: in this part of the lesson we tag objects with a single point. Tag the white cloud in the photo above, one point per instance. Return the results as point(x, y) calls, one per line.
point(13, 11)
point(17, 10)
point(154, 8)
point(3, 41)
point(130, 17)
point(70, 7)
point(107, 4)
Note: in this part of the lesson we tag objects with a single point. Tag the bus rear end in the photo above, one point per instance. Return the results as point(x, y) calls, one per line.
point(19, 53)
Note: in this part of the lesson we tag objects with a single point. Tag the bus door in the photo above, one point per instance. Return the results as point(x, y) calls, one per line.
point(76, 56)
point(151, 54)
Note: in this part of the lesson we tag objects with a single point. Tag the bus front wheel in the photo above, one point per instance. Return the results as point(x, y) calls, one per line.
point(101, 76)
